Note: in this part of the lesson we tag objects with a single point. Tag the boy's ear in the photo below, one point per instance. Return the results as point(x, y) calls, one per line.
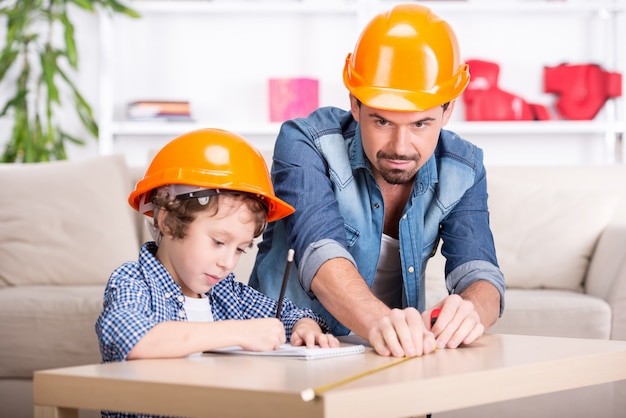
point(163, 227)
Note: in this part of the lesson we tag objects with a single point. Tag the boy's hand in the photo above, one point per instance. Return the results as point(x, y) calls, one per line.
point(307, 332)
point(261, 334)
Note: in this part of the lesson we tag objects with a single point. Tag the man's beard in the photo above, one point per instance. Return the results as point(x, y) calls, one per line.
point(395, 176)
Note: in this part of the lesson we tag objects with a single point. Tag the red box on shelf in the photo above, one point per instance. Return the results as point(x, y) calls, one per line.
point(292, 97)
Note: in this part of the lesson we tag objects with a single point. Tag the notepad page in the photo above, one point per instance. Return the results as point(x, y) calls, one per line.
point(301, 352)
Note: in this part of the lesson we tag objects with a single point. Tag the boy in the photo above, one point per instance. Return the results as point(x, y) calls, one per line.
point(209, 194)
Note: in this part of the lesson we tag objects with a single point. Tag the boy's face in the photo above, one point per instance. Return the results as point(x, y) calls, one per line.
point(211, 247)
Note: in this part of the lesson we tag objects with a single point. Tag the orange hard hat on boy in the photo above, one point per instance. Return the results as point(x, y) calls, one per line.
point(211, 159)
point(406, 59)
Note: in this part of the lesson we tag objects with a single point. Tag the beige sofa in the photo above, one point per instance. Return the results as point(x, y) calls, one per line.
point(64, 226)
point(560, 235)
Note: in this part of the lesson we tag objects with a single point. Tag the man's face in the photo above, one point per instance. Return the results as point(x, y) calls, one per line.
point(398, 144)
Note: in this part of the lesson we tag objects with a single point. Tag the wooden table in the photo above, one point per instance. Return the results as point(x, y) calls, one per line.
point(495, 368)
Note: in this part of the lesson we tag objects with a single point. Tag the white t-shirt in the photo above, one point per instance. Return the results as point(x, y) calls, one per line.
point(387, 284)
point(198, 309)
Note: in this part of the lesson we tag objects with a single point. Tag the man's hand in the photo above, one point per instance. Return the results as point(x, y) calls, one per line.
point(402, 333)
point(465, 318)
point(458, 322)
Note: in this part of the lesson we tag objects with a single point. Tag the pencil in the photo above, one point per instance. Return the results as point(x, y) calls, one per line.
point(284, 286)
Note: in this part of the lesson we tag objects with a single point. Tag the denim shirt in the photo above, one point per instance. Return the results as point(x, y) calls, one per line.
point(320, 168)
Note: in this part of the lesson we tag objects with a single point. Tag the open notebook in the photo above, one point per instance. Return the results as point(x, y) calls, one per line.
point(301, 352)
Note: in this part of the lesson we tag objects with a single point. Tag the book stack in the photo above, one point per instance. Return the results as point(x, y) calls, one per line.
point(159, 110)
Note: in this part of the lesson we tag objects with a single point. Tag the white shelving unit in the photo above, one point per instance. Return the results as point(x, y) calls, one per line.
point(219, 54)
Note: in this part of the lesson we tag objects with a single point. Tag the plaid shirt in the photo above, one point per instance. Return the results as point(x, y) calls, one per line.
point(141, 294)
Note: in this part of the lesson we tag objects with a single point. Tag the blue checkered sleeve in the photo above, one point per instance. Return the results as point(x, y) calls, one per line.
point(133, 304)
point(234, 300)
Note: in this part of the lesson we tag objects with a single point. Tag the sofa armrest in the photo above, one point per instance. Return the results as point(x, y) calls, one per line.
point(606, 277)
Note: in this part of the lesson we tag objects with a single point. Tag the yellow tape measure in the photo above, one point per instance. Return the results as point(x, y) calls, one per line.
point(310, 393)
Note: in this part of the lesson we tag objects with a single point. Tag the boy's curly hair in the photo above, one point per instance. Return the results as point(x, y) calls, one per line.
point(181, 212)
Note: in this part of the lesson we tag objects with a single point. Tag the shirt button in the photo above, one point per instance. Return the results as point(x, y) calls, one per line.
point(167, 295)
point(411, 269)
point(404, 216)
point(377, 205)
point(181, 314)
point(181, 298)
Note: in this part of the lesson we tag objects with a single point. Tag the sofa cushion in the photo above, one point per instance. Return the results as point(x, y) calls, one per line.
point(46, 327)
point(65, 222)
point(555, 313)
point(546, 223)
point(549, 312)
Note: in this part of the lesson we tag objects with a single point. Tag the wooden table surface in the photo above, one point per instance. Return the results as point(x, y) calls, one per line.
point(495, 368)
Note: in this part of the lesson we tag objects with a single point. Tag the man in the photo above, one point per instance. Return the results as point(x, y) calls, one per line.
point(377, 187)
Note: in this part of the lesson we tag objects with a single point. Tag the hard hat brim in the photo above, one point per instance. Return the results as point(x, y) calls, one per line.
point(403, 100)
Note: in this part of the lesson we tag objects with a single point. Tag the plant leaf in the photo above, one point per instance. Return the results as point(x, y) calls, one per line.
point(73, 139)
point(120, 8)
point(70, 44)
point(30, 40)
point(83, 109)
point(49, 67)
point(7, 59)
point(84, 4)
point(15, 101)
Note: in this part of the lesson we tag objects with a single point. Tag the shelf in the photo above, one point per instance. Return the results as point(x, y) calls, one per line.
point(536, 127)
point(531, 6)
point(225, 6)
point(602, 20)
point(158, 128)
point(355, 6)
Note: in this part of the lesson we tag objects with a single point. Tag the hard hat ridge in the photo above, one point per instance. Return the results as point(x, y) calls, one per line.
point(406, 59)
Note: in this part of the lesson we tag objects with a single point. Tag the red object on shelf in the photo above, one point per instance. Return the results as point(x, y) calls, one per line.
point(292, 97)
point(485, 101)
point(582, 89)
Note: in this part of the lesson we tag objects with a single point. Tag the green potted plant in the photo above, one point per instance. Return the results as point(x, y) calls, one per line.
point(35, 63)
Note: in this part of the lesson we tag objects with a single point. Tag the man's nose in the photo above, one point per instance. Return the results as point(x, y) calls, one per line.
point(400, 140)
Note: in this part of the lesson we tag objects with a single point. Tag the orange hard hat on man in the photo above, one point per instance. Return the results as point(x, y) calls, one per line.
point(210, 159)
point(406, 59)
